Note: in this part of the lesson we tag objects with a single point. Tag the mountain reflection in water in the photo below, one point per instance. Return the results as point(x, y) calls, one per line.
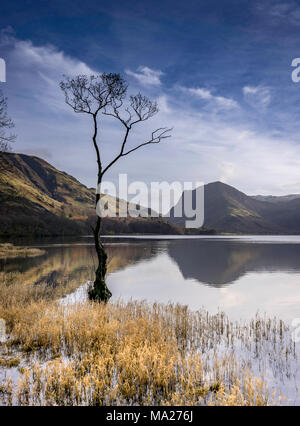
point(250, 273)
point(64, 263)
point(219, 263)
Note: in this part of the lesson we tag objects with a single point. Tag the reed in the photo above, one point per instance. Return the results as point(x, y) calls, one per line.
point(8, 250)
point(136, 353)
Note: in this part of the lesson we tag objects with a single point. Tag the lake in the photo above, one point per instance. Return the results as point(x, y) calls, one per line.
point(240, 275)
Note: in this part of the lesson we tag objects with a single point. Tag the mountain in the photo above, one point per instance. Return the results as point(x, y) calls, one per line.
point(38, 199)
point(276, 199)
point(228, 210)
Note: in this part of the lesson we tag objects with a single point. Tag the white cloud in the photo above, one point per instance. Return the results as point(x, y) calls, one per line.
point(208, 96)
point(202, 93)
point(146, 76)
point(257, 96)
point(162, 102)
point(47, 58)
point(208, 147)
point(228, 171)
point(204, 146)
point(35, 72)
point(275, 12)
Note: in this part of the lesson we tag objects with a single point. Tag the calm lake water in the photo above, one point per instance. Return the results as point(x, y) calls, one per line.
point(240, 275)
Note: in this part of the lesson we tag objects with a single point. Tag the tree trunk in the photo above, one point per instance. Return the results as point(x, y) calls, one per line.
point(100, 292)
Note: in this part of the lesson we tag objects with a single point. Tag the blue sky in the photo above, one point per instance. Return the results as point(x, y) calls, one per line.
point(220, 71)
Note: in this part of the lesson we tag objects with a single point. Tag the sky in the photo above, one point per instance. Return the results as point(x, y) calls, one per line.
point(219, 70)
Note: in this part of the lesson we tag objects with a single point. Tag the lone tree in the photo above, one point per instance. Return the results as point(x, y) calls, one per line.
point(5, 124)
point(105, 94)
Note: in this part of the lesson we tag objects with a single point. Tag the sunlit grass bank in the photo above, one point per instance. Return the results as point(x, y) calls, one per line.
point(8, 250)
point(135, 353)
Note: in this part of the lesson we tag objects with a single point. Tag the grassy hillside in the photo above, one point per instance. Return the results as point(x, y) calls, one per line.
point(38, 199)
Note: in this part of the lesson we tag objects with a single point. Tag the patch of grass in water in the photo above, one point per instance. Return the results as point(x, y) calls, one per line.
point(9, 362)
point(8, 250)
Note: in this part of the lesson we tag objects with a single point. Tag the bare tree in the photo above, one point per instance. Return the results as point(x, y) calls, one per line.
point(5, 124)
point(105, 94)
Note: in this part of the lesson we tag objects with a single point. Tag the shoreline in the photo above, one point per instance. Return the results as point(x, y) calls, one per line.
point(10, 251)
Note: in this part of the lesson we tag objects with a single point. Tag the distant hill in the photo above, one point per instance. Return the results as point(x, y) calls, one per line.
point(276, 198)
point(228, 210)
point(38, 199)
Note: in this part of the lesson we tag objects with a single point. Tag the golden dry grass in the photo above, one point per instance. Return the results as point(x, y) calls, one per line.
point(131, 353)
point(8, 250)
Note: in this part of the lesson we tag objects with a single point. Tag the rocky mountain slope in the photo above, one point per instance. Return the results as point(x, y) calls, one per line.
point(228, 210)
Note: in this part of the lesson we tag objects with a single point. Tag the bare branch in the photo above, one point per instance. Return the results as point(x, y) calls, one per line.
point(140, 109)
point(115, 106)
point(91, 94)
point(5, 124)
point(107, 92)
point(155, 138)
point(143, 107)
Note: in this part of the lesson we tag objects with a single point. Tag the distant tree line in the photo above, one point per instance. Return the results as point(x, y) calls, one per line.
point(6, 123)
point(49, 224)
